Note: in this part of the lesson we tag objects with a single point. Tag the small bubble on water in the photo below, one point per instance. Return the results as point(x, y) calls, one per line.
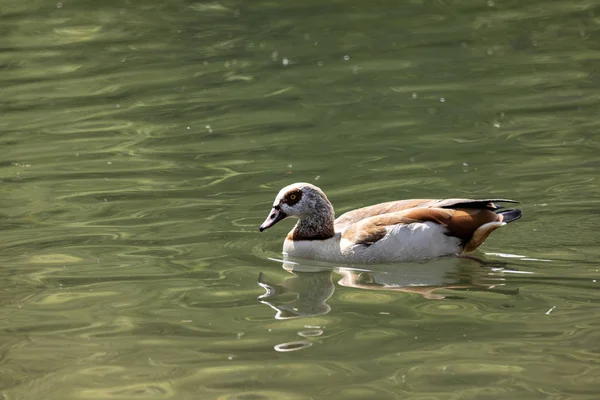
point(496, 124)
point(319, 63)
point(414, 95)
point(285, 62)
point(118, 106)
point(230, 358)
point(346, 57)
point(491, 3)
point(58, 5)
point(442, 100)
point(317, 177)
point(188, 128)
point(289, 165)
point(465, 164)
point(274, 56)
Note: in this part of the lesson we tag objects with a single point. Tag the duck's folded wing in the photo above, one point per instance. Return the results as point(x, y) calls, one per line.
point(354, 216)
point(471, 226)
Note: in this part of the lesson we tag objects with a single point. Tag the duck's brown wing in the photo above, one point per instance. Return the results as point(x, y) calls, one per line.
point(354, 216)
point(471, 225)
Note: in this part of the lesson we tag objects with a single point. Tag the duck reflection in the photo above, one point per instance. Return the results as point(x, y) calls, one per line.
point(306, 292)
point(303, 294)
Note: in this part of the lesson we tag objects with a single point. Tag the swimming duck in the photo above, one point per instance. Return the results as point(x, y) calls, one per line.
point(404, 230)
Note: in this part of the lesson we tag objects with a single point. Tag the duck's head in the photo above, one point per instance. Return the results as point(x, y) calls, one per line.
point(299, 200)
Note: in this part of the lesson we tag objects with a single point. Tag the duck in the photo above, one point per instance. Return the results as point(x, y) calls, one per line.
point(394, 231)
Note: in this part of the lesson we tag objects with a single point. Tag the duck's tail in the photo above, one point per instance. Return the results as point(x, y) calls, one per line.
point(484, 230)
point(510, 215)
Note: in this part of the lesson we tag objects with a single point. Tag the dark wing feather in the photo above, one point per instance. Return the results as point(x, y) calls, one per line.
point(488, 204)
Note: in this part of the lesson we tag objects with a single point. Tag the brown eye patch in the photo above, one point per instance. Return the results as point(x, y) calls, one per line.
point(293, 197)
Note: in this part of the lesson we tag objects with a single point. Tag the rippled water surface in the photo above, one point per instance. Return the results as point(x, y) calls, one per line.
point(143, 143)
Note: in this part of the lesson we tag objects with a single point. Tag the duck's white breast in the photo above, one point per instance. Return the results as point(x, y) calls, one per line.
point(404, 242)
point(328, 250)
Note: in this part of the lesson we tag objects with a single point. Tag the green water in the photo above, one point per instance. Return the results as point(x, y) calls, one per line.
point(142, 144)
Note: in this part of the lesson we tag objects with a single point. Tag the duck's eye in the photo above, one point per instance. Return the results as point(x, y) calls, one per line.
point(293, 198)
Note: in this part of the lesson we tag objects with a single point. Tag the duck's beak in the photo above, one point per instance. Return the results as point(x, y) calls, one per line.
point(274, 217)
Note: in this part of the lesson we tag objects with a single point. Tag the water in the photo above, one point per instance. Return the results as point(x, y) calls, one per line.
point(142, 145)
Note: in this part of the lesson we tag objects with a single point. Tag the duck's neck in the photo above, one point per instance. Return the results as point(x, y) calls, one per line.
point(318, 226)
